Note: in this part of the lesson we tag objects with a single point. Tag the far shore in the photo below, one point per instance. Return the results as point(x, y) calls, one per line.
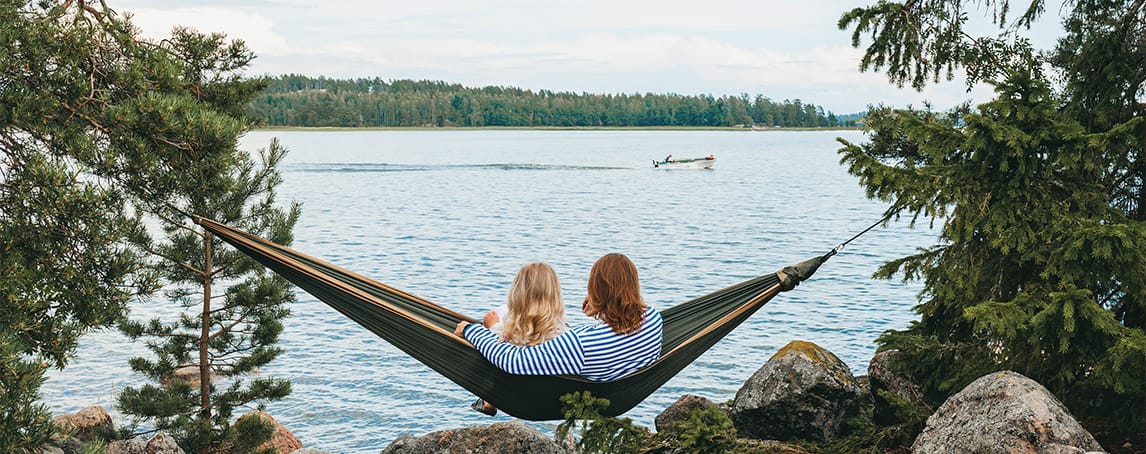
point(545, 128)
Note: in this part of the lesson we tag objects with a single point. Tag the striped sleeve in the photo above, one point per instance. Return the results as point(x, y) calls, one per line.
point(562, 355)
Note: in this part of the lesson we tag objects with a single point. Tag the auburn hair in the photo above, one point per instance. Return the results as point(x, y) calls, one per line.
point(614, 294)
point(536, 311)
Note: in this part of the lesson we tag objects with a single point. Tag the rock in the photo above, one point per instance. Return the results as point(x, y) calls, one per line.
point(189, 375)
point(500, 438)
point(1003, 412)
point(568, 443)
point(87, 423)
point(71, 445)
point(884, 379)
point(283, 440)
point(863, 383)
point(680, 410)
point(130, 446)
point(162, 443)
point(802, 392)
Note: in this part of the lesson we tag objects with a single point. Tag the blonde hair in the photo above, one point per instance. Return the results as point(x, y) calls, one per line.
point(536, 310)
point(615, 294)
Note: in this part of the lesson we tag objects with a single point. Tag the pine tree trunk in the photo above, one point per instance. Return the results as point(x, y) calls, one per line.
point(1141, 215)
point(204, 365)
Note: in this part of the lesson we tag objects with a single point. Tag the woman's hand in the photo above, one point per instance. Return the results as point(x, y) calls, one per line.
point(461, 328)
point(490, 319)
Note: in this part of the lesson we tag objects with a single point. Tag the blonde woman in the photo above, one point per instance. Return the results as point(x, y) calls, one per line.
point(534, 313)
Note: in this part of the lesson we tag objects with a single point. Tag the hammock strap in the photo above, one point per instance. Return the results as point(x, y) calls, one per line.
point(840, 247)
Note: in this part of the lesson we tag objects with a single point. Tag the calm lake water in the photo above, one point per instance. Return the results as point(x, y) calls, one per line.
point(451, 215)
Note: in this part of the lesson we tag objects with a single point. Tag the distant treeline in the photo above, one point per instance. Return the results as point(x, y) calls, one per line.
point(295, 100)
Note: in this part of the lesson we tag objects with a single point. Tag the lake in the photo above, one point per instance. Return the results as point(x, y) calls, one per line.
point(450, 216)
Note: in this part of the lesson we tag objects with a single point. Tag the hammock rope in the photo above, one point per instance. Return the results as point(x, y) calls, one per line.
point(424, 330)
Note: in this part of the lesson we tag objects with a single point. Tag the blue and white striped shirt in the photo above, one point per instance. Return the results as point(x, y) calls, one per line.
point(593, 351)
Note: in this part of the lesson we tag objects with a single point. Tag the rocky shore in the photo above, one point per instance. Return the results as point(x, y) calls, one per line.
point(802, 393)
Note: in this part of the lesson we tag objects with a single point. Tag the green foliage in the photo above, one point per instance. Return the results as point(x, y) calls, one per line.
point(926, 41)
point(294, 100)
point(600, 434)
point(706, 430)
point(96, 446)
point(863, 435)
point(1039, 196)
point(247, 434)
point(62, 271)
point(26, 423)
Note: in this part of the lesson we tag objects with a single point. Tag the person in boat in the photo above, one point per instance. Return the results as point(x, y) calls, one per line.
point(710, 157)
point(668, 158)
point(534, 313)
point(626, 335)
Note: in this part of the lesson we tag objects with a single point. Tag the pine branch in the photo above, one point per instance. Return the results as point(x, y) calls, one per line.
point(227, 328)
point(171, 259)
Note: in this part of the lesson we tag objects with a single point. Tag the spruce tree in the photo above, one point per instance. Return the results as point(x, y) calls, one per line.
point(232, 306)
point(1041, 266)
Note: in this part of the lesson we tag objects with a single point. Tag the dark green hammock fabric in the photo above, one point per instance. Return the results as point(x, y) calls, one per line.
point(424, 330)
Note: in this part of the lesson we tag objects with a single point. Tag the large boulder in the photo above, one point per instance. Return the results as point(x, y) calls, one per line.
point(802, 392)
point(1005, 413)
point(884, 379)
point(91, 422)
point(282, 440)
point(501, 438)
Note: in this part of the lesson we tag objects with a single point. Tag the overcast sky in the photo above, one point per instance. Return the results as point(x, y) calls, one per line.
point(782, 50)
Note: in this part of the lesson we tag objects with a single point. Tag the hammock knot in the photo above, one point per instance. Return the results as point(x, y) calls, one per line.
point(792, 275)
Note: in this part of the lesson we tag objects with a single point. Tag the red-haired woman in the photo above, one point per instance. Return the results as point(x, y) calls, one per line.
point(626, 336)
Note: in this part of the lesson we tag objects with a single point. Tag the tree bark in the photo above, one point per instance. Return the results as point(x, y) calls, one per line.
point(204, 337)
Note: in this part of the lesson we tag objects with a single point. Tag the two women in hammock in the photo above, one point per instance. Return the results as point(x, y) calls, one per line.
point(533, 338)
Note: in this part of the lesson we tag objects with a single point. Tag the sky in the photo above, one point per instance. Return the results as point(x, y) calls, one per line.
point(782, 50)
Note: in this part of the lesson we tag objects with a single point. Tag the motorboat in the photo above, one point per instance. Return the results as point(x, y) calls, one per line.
point(693, 163)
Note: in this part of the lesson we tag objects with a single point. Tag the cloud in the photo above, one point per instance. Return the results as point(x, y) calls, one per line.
point(256, 29)
point(783, 50)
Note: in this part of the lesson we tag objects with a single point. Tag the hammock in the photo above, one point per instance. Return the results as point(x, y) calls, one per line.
point(424, 330)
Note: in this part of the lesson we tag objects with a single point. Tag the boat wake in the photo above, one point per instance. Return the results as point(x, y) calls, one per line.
point(367, 167)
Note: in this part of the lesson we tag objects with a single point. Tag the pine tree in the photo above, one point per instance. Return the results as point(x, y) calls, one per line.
point(99, 129)
point(232, 318)
point(1041, 266)
point(232, 306)
point(70, 74)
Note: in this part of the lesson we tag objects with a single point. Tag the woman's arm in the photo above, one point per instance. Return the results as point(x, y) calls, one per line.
point(562, 355)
